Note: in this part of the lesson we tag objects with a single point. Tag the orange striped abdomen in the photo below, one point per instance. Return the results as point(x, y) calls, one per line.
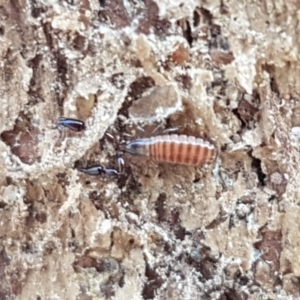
point(179, 149)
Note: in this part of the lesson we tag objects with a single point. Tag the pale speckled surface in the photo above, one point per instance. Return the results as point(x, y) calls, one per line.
point(226, 72)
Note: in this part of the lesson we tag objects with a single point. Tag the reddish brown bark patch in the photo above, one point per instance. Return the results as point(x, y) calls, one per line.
point(22, 140)
point(270, 248)
point(115, 13)
point(150, 19)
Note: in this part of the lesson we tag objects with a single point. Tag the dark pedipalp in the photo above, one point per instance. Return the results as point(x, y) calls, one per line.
point(98, 170)
point(72, 124)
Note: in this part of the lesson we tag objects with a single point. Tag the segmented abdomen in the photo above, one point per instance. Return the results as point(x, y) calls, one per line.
point(180, 149)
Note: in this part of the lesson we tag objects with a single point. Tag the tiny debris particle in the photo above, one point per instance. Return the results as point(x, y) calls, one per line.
point(109, 264)
point(277, 182)
point(242, 210)
point(276, 178)
point(220, 57)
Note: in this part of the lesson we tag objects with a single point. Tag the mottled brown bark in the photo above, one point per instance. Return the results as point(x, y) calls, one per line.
point(223, 71)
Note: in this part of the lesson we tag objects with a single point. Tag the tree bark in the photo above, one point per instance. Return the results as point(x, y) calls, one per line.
point(223, 71)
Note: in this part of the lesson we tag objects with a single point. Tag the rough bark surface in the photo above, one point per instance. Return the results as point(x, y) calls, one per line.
point(225, 71)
